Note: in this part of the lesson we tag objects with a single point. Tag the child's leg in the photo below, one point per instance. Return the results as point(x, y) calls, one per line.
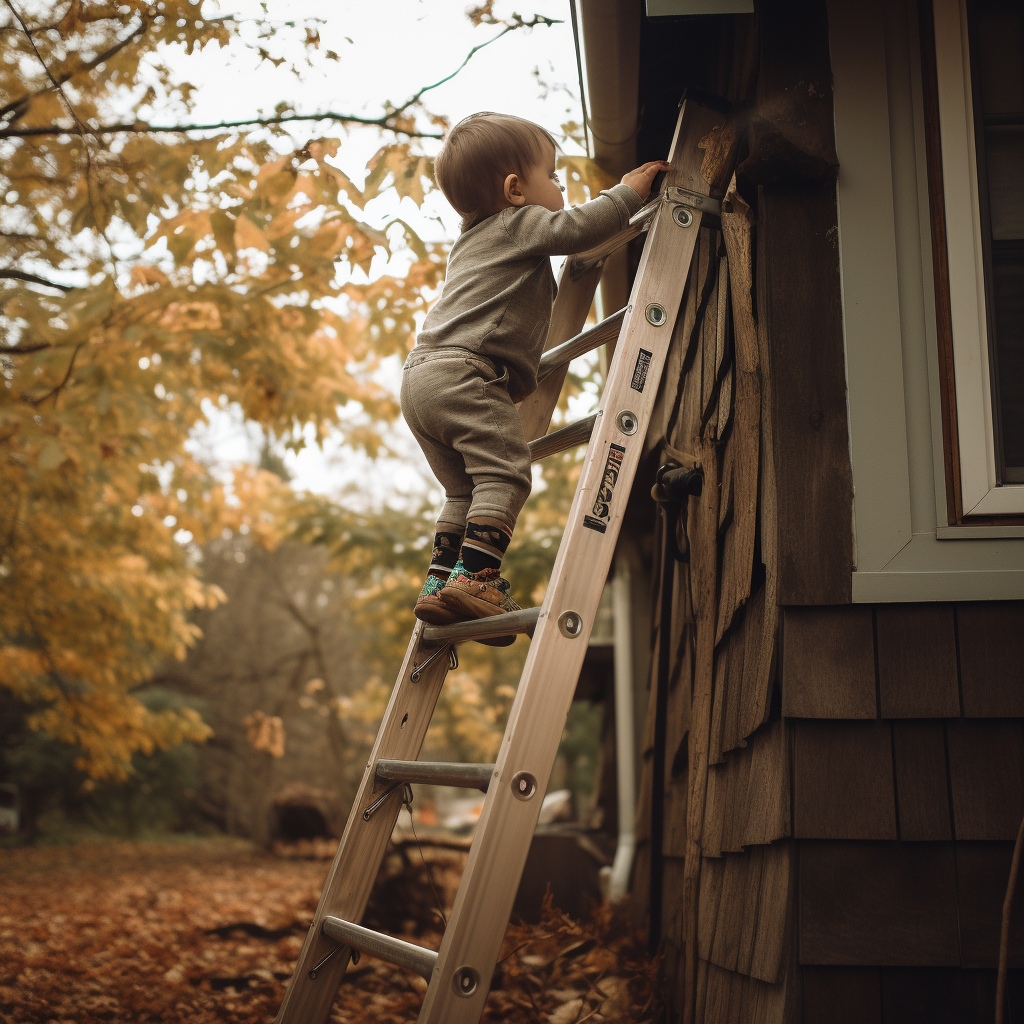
point(469, 430)
point(498, 461)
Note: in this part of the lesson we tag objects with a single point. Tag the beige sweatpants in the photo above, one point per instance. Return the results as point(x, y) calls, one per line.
point(460, 413)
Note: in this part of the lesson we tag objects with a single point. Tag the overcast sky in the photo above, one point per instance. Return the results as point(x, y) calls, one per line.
point(388, 50)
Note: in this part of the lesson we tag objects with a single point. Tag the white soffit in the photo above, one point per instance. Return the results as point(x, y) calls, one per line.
point(675, 8)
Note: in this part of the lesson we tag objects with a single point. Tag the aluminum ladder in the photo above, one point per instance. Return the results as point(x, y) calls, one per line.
point(459, 973)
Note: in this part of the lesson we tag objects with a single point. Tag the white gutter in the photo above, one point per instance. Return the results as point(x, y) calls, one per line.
point(608, 41)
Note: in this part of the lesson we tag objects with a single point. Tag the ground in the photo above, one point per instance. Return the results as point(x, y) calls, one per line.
point(209, 930)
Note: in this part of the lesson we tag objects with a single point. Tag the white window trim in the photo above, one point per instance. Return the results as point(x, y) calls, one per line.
point(979, 492)
point(904, 550)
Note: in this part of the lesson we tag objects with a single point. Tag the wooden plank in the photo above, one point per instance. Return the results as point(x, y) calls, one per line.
point(768, 953)
point(922, 793)
point(714, 814)
point(743, 444)
point(982, 870)
point(934, 995)
point(803, 319)
point(991, 636)
point(828, 663)
point(711, 879)
point(733, 720)
point(986, 777)
point(702, 530)
point(733, 906)
point(843, 781)
point(768, 801)
point(800, 306)
point(842, 995)
point(737, 800)
point(878, 904)
point(760, 618)
point(716, 737)
point(917, 661)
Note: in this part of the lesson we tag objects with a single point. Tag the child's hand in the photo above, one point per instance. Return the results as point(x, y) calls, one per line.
point(640, 179)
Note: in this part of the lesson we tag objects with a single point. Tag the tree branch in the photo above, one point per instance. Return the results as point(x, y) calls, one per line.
point(20, 275)
point(17, 107)
point(25, 350)
point(141, 128)
point(56, 390)
point(536, 20)
point(384, 122)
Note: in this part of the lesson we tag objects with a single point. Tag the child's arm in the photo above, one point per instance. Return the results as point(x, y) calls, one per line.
point(540, 232)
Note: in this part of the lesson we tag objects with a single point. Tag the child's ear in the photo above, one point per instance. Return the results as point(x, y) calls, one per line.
point(513, 193)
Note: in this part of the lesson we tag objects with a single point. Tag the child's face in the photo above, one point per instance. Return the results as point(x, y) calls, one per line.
point(539, 186)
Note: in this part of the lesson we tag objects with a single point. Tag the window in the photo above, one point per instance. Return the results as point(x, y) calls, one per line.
point(996, 34)
point(979, 89)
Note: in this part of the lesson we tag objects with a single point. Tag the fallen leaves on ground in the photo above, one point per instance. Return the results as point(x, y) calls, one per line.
point(210, 931)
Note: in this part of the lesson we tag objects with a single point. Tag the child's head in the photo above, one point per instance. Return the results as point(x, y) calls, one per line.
point(483, 152)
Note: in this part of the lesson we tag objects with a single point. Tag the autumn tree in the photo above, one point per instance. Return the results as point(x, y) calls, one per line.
point(152, 265)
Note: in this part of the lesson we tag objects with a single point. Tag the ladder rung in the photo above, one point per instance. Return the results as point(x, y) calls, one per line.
point(583, 262)
point(435, 773)
point(383, 947)
point(567, 437)
point(584, 342)
point(505, 624)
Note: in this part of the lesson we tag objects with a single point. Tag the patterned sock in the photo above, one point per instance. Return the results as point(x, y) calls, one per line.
point(445, 554)
point(484, 546)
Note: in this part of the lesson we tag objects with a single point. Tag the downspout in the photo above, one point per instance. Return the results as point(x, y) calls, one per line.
point(625, 737)
point(608, 52)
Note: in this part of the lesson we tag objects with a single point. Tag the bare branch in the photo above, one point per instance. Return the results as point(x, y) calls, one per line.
point(25, 350)
point(536, 20)
point(55, 391)
point(20, 275)
point(141, 128)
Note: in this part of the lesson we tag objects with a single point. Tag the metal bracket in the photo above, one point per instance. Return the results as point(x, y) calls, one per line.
point(699, 201)
point(453, 662)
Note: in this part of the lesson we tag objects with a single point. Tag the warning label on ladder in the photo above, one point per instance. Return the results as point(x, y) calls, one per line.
point(601, 514)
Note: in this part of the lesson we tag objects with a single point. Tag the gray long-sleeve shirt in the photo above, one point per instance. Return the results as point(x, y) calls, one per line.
point(499, 289)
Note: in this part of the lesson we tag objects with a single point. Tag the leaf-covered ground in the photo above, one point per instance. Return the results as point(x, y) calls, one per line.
point(209, 931)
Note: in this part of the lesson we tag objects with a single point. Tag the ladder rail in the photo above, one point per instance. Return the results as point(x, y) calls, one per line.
point(478, 920)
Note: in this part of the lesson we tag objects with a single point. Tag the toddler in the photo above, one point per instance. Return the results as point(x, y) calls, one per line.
point(481, 344)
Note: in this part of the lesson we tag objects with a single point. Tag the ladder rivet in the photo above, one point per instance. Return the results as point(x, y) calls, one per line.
point(524, 785)
point(682, 216)
point(465, 981)
point(656, 315)
point(570, 624)
point(626, 422)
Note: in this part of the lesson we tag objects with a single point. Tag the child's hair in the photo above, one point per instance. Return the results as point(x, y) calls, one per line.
point(478, 154)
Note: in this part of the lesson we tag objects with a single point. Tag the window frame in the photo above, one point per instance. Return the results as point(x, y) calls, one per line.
point(970, 441)
point(905, 547)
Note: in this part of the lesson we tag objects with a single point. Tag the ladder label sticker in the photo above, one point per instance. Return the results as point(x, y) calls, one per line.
point(601, 513)
point(643, 361)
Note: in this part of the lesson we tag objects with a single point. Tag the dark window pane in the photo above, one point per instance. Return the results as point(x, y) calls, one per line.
point(1004, 154)
point(997, 62)
point(1008, 289)
point(999, 29)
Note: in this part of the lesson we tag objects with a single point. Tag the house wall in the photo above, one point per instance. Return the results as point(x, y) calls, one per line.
point(831, 789)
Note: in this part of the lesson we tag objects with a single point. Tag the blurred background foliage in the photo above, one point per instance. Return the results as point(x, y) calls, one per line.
point(163, 643)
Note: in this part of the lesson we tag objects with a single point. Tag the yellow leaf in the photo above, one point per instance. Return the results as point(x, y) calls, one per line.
point(249, 236)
